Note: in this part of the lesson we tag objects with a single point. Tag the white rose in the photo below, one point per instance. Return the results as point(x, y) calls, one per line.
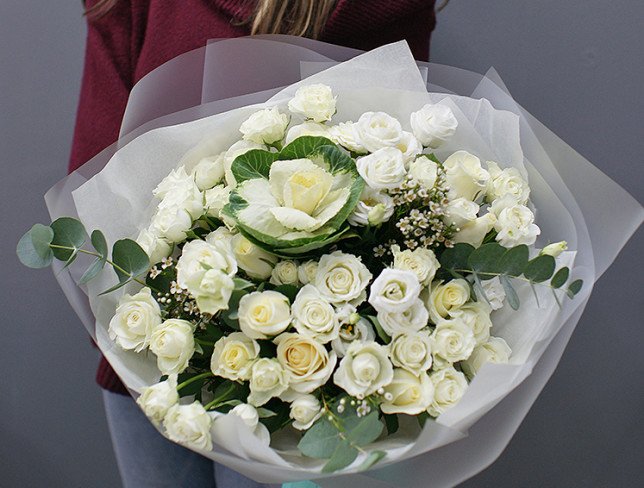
point(447, 297)
point(177, 179)
point(264, 314)
point(212, 290)
point(268, 379)
point(506, 182)
point(383, 169)
point(421, 261)
point(179, 191)
point(460, 212)
point(255, 262)
point(452, 340)
point(265, 127)
point(424, 171)
point(189, 425)
point(409, 146)
point(313, 102)
point(284, 273)
point(215, 200)
point(306, 129)
point(341, 277)
point(495, 350)
point(173, 344)
point(465, 176)
point(171, 223)
point(515, 225)
point(209, 171)
point(305, 410)
point(157, 399)
point(474, 231)
point(134, 321)
point(233, 356)
point(477, 317)
point(364, 369)
point(247, 413)
point(433, 124)
point(377, 130)
point(236, 150)
point(155, 247)
point(373, 208)
point(346, 134)
point(361, 331)
point(449, 388)
point(306, 271)
point(412, 319)
point(412, 351)
point(197, 257)
point(494, 293)
point(554, 249)
point(307, 361)
point(410, 394)
point(314, 316)
point(394, 291)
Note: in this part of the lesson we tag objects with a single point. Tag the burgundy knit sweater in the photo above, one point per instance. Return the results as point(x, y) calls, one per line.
point(139, 35)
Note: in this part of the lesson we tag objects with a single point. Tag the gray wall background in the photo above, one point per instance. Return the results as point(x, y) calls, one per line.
point(577, 65)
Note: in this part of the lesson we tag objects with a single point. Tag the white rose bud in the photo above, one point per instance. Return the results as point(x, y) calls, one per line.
point(265, 127)
point(409, 146)
point(212, 291)
point(474, 231)
point(284, 273)
point(377, 130)
point(465, 176)
point(373, 208)
point(421, 261)
point(209, 171)
point(313, 102)
point(515, 226)
point(412, 319)
point(305, 410)
point(411, 351)
point(306, 271)
point(449, 388)
point(171, 223)
point(394, 291)
point(453, 340)
point(477, 317)
point(346, 134)
point(247, 413)
point(507, 181)
point(173, 344)
point(268, 379)
point(135, 319)
point(360, 331)
point(424, 171)
point(264, 314)
point(341, 277)
point(460, 212)
point(494, 293)
point(383, 169)
point(236, 150)
point(189, 425)
point(155, 247)
point(216, 199)
point(446, 297)
point(411, 394)
point(157, 399)
point(364, 369)
point(495, 350)
point(255, 262)
point(433, 124)
point(306, 129)
point(307, 361)
point(233, 356)
point(554, 249)
point(314, 316)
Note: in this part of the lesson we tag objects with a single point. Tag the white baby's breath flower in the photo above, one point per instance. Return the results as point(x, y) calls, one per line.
point(306, 360)
point(361, 331)
point(305, 410)
point(255, 262)
point(446, 297)
point(424, 171)
point(308, 128)
point(264, 314)
point(465, 175)
point(364, 369)
point(452, 340)
point(157, 399)
point(341, 277)
point(314, 316)
point(411, 351)
point(284, 273)
point(173, 344)
point(394, 291)
point(383, 169)
point(412, 319)
point(449, 388)
point(189, 425)
point(422, 262)
point(410, 393)
point(233, 356)
point(209, 171)
point(314, 102)
point(495, 350)
point(346, 134)
point(306, 271)
point(135, 319)
point(265, 126)
point(433, 124)
point(373, 208)
point(515, 225)
point(268, 379)
point(155, 247)
point(377, 130)
point(506, 182)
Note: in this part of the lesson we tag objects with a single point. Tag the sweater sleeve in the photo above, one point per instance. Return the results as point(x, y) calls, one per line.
point(107, 81)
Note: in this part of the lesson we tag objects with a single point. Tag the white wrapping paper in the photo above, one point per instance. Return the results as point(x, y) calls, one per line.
point(574, 202)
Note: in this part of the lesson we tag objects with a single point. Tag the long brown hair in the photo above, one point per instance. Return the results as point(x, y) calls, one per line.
point(293, 17)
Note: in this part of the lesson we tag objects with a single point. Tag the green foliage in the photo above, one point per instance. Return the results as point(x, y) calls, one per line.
point(69, 233)
point(540, 269)
point(574, 288)
point(560, 278)
point(384, 337)
point(456, 258)
point(391, 422)
point(303, 146)
point(100, 244)
point(320, 441)
point(372, 458)
point(131, 260)
point(343, 455)
point(33, 247)
point(252, 164)
point(485, 261)
point(510, 292)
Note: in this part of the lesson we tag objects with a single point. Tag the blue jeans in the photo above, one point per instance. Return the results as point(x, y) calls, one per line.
point(146, 459)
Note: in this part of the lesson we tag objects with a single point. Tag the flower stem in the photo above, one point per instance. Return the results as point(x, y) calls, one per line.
point(221, 398)
point(207, 374)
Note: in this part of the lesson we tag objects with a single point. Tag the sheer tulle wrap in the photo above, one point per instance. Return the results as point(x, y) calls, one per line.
point(193, 105)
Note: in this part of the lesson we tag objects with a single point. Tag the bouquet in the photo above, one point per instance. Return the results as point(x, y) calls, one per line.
point(340, 278)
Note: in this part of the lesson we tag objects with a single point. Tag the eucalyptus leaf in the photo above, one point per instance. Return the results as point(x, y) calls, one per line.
point(510, 292)
point(68, 232)
point(342, 457)
point(485, 260)
point(514, 260)
point(456, 258)
point(33, 247)
point(131, 259)
point(363, 430)
point(560, 277)
point(242, 284)
point(320, 441)
point(540, 269)
point(120, 284)
point(575, 287)
point(372, 458)
point(100, 243)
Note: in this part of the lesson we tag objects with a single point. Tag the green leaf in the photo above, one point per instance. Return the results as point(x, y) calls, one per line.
point(384, 337)
point(91, 272)
point(230, 317)
point(289, 291)
point(540, 269)
point(242, 284)
point(303, 147)
point(372, 458)
point(342, 457)
point(456, 257)
point(575, 287)
point(265, 413)
point(560, 277)
point(255, 163)
point(131, 258)
point(320, 441)
point(514, 260)
point(365, 429)
point(391, 422)
point(485, 260)
point(510, 293)
point(33, 247)
point(115, 287)
point(100, 243)
point(68, 232)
